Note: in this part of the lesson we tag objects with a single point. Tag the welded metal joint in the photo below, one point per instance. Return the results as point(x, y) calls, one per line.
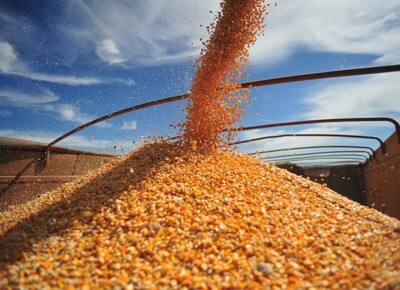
point(374, 193)
point(41, 161)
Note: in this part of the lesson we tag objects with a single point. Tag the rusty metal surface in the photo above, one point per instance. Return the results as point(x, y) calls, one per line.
point(66, 165)
point(382, 179)
point(13, 144)
point(29, 187)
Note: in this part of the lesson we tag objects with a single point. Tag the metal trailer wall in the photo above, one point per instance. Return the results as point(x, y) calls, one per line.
point(65, 165)
point(377, 184)
point(346, 180)
point(381, 178)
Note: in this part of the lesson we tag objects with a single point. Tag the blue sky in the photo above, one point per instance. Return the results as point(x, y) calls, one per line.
point(64, 63)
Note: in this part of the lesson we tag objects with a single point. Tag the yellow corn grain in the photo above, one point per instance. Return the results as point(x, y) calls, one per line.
point(238, 223)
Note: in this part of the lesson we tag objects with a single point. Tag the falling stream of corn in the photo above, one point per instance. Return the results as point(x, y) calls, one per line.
point(192, 215)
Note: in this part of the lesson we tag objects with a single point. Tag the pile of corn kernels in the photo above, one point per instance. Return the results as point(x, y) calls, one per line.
point(170, 217)
point(173, 216)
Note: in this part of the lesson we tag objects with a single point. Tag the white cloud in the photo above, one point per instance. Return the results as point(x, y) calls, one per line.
point(128, 82)
point(66, 80)
point(141, 32)
point(165, 31)
point(20, 99)
point(154, 32)
point(71, 113)
point(376, 95)
point(108, 51)
point(132, 125)
point(345, 26)
point(7, 56)
point(47, 101)
point(10, 64)
point(290, 142)
point(5, 113)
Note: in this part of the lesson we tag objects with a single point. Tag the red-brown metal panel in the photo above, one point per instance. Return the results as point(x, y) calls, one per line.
point(382, 179)
point(64, 165)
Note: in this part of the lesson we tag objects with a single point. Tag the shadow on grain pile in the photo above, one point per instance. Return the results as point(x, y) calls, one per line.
point(81, 201)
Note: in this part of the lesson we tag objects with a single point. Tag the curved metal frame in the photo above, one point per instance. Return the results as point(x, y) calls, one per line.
point(319, 152)
point(314, 147)
point(323, 75)
point(342, 157)
point(333, 163)
point(316, 156)
point(321, 121)
point(382, 145)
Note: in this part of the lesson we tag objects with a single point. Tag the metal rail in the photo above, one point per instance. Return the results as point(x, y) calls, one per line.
point(325, 162)
point(319, 152)
point(316, 156)
point(321, 121)
point(330, 164)
point(381, 143)
point(334, 157)
point(314, 147)
point(323, 75)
